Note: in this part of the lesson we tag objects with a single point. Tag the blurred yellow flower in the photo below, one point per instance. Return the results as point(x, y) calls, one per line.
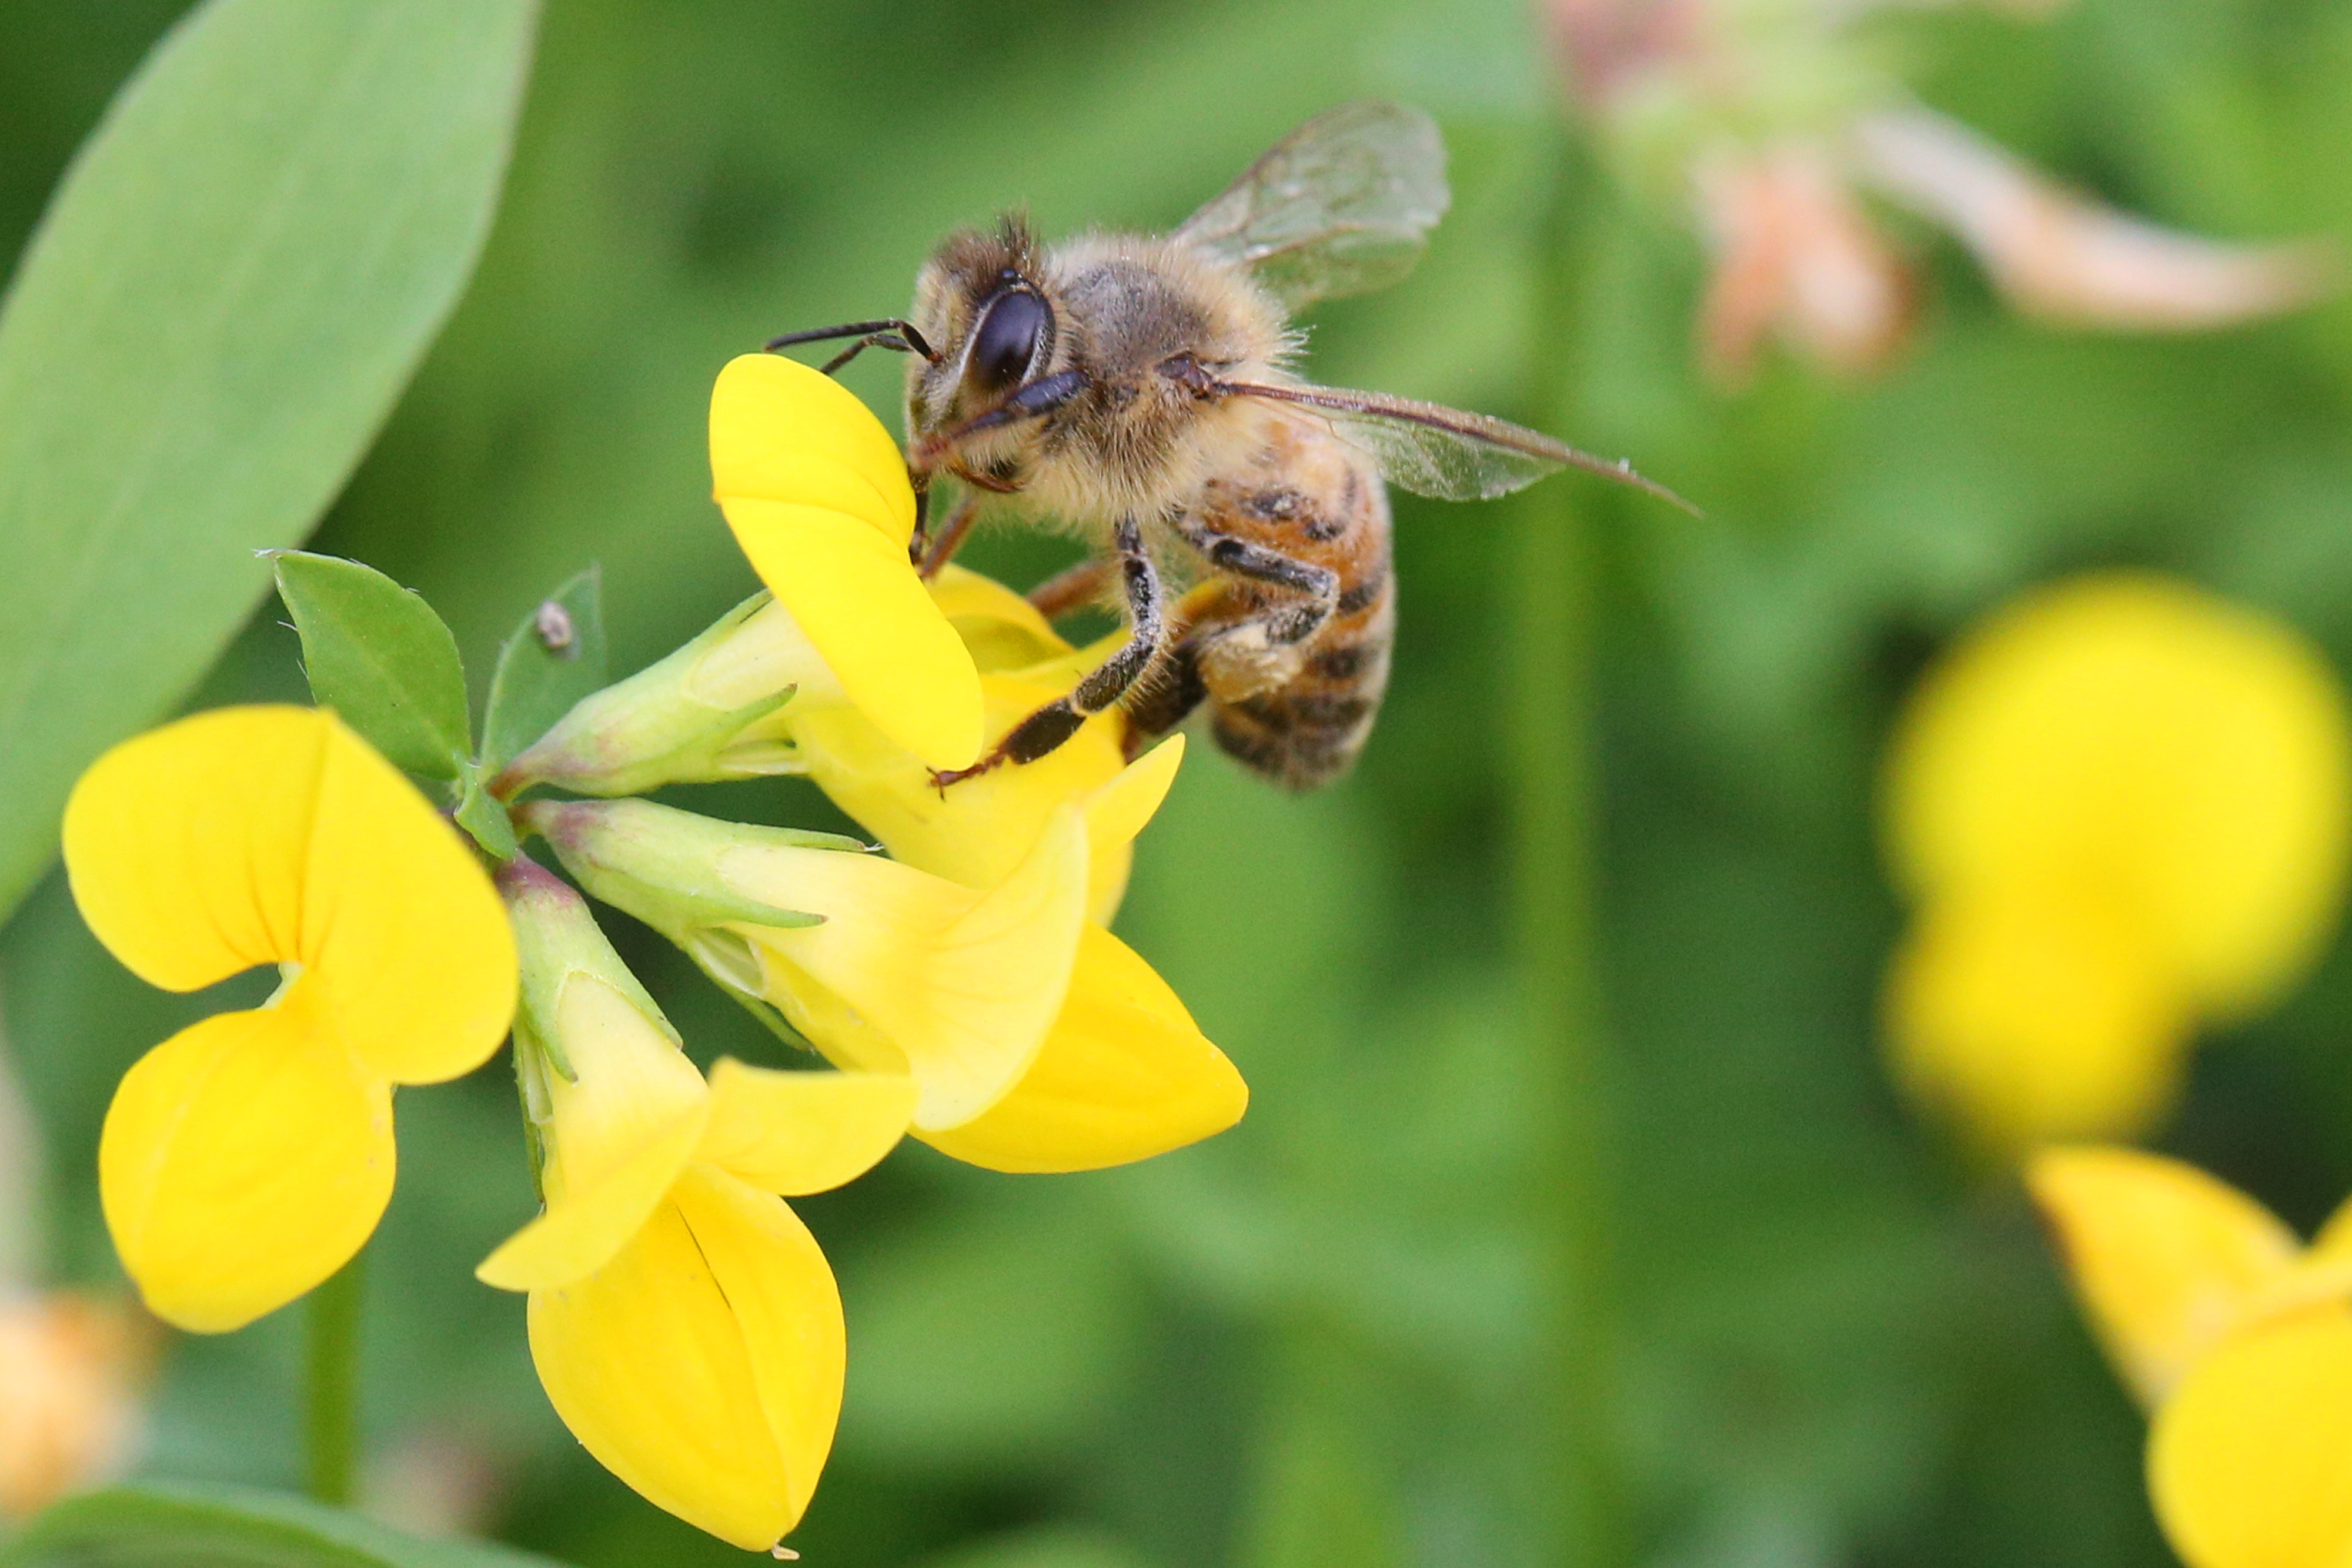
point(248, 1157)
point(817, 494)
point(682, 1320)
point(2120, 808)
point(2235, 1336)
point(71, 1368)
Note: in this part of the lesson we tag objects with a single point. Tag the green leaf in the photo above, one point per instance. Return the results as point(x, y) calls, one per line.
point(377, 655)
point(554, 658)
point(175, 1525)
point(484, 815)
point(230, 289)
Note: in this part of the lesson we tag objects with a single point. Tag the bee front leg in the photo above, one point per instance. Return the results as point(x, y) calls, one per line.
point(1049, 727)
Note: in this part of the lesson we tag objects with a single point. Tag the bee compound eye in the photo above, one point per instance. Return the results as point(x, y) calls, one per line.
point(1004, 342)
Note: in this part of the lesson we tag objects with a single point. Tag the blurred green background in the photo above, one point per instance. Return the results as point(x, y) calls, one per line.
point(1305, 1343)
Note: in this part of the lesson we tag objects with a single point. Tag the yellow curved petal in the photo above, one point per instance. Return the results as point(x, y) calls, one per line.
point(782, 430)
point(2189, 754)
point(788, 1312)
point(242, 1160)
point(646, 1361)
point(2168, 1261)
point(2031, 1016)
point(584, 1228)
point(795, 1132)
point(2250, 1462)
point(401, 926)
point(1124, 1075)
point(857, 599)
point(1120, 810)
point(1002, 627)
point(978, 832)
point(964, 984)
point(186, 845)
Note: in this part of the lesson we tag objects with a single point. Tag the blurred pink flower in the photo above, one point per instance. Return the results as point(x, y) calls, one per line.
point(1771, 120)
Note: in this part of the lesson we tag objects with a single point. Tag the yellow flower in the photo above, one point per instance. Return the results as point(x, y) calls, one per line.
point(248, 1157)
point(682, 1320)
point(817, 494)
point(2121, 808)
point(2237, 1338)
point(885, 969)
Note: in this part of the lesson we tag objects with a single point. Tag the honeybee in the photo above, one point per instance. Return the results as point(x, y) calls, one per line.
point(1138, 388)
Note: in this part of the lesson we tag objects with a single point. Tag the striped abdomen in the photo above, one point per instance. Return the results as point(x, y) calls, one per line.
point(1293, 680)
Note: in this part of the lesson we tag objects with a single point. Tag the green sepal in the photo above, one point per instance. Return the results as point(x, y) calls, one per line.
point(180, 1525)
point(378, 656)
point(555, 658)
point(483, 815)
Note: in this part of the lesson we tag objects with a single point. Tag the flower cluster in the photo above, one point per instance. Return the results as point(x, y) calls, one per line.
point(2235, 1337)
point(965, 988)
point(2121, 808)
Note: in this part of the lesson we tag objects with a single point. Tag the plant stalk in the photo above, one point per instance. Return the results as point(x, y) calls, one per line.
point(1553, 567)
point(332, 1401)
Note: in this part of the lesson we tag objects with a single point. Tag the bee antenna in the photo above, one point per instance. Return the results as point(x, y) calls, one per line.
point(899, 336)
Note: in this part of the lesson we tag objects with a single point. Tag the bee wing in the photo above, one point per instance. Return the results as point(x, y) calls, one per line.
point(1448, 452)
point(1341, 205)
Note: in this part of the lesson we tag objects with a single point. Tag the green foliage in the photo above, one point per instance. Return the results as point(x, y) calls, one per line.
point(222, 302)
point(229, 1527)
point(377, 655)
point(550, 662)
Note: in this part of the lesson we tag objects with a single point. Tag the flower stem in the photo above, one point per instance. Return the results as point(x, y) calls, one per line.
point(1552, 566)
point(332, 1405)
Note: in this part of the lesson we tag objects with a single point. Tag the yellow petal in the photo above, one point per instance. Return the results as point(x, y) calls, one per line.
point(2031, 1015)
point(258, 836)
point(2167, 1260)
point(646, 1361)
point(402, 928)
point(244, 1160)
point(590, 1222)
point(1117, 811)
point(1002, 627)
point(976, 832)
point(780, 431)
point(786, 1308)
point(631, 1086)
point(2249, 1463)
point(856, 595)
point(186, 845)
point(963, 984)
point(2188, 755)
point(1124, 1075)
point(794, 1132)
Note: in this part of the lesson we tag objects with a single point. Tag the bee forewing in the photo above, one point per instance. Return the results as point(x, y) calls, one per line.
point(1341, 205)
point(1448, 452)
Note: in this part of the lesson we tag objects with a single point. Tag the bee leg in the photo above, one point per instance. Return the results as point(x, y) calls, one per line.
point(939, 551)
point(1065, 590)
point(1049, 727)
point(1260, 645)
point(1176, 689)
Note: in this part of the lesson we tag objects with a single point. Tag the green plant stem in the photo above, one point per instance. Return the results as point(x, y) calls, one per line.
point(1552, 567)
point(332, 1399)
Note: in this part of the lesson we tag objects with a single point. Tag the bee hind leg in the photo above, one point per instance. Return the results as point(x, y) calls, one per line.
point(1038, 734)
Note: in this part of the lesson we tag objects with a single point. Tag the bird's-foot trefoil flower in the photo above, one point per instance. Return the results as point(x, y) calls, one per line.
point(683, 1321)
point(248, 1158)
point(2121, 809)
point(817, 494)
point(2236, 1337)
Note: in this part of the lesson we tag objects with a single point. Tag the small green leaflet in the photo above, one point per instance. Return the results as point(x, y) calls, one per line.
point(176, 1525)
point(554, 659)
point(379, 657)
